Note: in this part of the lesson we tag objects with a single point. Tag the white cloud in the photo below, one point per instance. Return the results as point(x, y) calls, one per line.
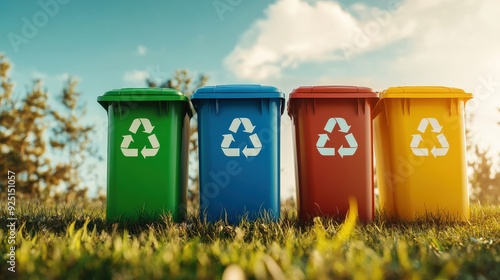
point(455, 40)
point(457, 37)
point(135, 76)
point(296, 32)
point(141, 50)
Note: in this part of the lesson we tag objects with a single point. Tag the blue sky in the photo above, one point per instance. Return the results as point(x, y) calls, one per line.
point(285, 43)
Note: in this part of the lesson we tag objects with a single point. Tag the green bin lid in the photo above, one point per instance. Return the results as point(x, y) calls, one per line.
point(425, 92)
point(141, 95)
point(305, 92)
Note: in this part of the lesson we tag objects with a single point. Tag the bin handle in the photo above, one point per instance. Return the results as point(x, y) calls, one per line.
point(120, 109)
point(360, 105)
point(283, 104)
point(406, 106)
point(289, 109)
point(453, 106)
point(377, 108)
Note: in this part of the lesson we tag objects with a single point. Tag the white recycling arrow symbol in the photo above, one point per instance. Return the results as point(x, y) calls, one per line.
point(128, 139)
point(417, 138)
point(344, 128)
point(228, 139)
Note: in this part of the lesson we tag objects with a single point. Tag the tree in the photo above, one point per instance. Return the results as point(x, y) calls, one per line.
point(24, 130)
point(72, 139)
point(23, 147)
point(183, 82)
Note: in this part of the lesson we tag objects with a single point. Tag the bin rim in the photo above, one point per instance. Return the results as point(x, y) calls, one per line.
point(425, 92)
point(238, 91)
point(143, 95)
point(333, 91)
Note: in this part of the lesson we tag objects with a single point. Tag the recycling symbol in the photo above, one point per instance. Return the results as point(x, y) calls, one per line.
point(417, 138)
point(128, 139)
point(344, 128)
point(229, 138)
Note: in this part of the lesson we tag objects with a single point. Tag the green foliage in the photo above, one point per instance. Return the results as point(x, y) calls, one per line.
point(64, 242)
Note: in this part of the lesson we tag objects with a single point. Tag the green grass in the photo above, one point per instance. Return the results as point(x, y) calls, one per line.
point(74, 243)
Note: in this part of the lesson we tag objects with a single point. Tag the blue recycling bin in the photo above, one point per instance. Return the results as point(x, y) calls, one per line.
point(239, 151)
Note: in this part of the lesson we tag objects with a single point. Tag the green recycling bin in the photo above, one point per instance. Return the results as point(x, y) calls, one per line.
point(148, 130)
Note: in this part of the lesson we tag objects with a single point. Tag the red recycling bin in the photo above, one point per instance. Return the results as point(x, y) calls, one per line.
point(333, 149)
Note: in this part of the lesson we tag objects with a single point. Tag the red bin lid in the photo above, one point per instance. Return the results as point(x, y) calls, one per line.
point(333, 92)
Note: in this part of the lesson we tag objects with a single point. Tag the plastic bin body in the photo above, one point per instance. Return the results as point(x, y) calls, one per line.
point(333, 150)
point(147, 153)
point(239, 151)
point(421, 152)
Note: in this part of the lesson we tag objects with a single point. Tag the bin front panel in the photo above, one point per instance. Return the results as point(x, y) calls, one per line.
point(146, 159)
point(334, 156)
point(239, 147)
point(421, 157)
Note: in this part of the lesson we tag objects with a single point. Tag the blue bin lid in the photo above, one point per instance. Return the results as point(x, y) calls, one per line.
point(236, 91)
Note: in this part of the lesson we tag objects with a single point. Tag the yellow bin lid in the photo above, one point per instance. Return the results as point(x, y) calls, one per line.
point(425, 92)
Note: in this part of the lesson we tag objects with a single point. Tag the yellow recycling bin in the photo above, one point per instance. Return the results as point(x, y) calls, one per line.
point(420, 152)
